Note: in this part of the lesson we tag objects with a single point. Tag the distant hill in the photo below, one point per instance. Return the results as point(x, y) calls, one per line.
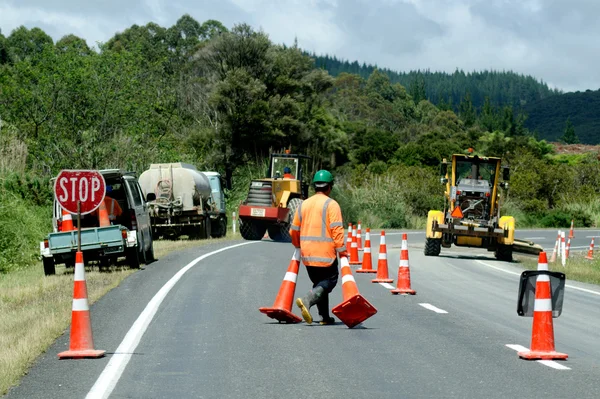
point(548, 116)
point(503, 88)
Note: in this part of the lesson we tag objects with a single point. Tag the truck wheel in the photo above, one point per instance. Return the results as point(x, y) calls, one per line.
point(49, 267)
point(133, 258)
point(219, 228)
point(279, 233)
point(504, 253)
point(433, 246)
point(150, 253)
point(252, 230)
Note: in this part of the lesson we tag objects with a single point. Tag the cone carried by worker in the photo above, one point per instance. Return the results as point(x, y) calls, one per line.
point(590, 254)
point(282, 307)
point(67, 221)
point(556, 248)
point(382, 263)
point(403, 286)
point(359, 237)
point(354, 249)
point(354, 308)
point(571, 232)
point(367, 260)
point(81, 340)
point(542, 336)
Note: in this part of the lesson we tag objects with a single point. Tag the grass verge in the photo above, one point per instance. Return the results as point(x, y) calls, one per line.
point(577, 268)
point(35, 309)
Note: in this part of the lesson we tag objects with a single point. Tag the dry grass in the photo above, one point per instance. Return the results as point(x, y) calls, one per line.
point(35, 309)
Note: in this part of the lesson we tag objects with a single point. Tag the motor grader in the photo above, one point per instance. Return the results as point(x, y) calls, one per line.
point(471, 216)
point(272, 202)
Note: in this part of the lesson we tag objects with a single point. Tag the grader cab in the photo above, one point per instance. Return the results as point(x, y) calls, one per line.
point(272, 202)
point(471, 216)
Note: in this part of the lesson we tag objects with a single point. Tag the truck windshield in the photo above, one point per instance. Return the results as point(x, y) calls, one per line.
point(280, 166)
point(214, 184)
point(484, 171)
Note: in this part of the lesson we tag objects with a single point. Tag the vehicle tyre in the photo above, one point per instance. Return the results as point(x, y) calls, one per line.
point(266, 194)
point(142, 250)
point(252, 229)
point(207, 228)
point(49, 266)
point(433, 246)
point(150, 253)
point(133, 258)
point(259, 202)
point(279, 233)
point(195, 232)
point(504, 253)
point(219, 228)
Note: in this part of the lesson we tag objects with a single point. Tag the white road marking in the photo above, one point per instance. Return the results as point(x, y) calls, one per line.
point(388, 286)
point(431, 307)
point(111, 374)
point(549, 363)
point(518, 274)
point(592, 236)
point(534, 238)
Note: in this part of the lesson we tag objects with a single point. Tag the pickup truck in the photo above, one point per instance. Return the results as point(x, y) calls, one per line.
point(129, 236)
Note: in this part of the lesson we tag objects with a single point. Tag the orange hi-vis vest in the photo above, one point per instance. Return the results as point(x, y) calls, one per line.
point(318, 230)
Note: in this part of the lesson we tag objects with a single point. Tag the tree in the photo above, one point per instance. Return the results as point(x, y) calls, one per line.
point(467, 111)
point(569, 136)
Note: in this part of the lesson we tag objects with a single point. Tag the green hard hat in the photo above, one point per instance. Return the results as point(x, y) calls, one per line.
point(322, 177)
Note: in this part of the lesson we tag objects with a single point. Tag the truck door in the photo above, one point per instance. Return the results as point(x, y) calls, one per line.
point(138, 208)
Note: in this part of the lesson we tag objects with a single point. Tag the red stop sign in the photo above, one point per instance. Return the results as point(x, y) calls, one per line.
point(87, 186)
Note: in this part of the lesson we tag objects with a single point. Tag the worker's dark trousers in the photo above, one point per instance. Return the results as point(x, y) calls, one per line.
point(327, 278)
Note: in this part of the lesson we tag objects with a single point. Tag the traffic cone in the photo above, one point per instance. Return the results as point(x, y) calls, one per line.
point(354, 250)
point(367, 261)
point(563, 249)
point(571, 232)
point(354, 308)
point(382, 263)
point(67, 221)
point(81, 339)
point(282, 307)
point(568, 249)
point(359, 237)
point(556, 248)
point(103, 215)
point(590, 254)
point(542, 337)
point(403, 286)
point(349, 239)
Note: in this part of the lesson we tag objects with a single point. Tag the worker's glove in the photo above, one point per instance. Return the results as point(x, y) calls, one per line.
point(343, 254)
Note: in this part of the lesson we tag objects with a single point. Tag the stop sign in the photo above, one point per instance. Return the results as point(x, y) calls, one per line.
point(87, 186)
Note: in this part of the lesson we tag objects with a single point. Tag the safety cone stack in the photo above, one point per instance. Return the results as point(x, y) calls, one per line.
point(403, 286)
point(81, 339)
point(568, 249)
point(354, 250)
point(367, 261)
point(282, 307)
point(542, 337)
point(67, 221)
point(382, 263)
point(571, 232)
point(354, 308)
point(590, 254)
point(556, 248)
point(103, 215)
point(359, 237)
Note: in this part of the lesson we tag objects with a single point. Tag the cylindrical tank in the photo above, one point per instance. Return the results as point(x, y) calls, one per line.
point(176, 182)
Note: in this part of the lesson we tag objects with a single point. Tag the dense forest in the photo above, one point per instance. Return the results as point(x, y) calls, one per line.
point(224, 98)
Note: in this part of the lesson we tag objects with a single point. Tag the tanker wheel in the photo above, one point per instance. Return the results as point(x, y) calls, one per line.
point(504, 253)
point(433, 246)
point(280, 233)
point(252, 229)
point(219, 228)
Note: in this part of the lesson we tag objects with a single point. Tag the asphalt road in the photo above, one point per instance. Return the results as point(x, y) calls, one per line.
point(207, 338)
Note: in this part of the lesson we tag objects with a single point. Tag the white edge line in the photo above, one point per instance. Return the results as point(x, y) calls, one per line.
point(518, 274)
point(387, 285)
point(111, 374)
point(433, 308)
point(549, 363)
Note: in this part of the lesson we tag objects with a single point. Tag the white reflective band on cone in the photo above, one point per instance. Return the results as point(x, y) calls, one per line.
point(354, 245)
point(542, 305)
point(80, 304)
point(296, 255)
point(367, 250)
point(347, 278)
point(543, 278)
point(79, 272)
point(368, 237)
point(403, 263)
point(542, 266)
point(404, 245)
point(382, 256)
point(344, 261)
point(289, 276)
point(382, 241)
point(67, 217)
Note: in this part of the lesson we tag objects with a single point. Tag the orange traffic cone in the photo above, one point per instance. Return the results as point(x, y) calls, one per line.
point(103, 215)
point(354, 250)
point(355, 308)
point(359, 237)
point(571, 232)
point(590, 254)
point(382, 263)
point(349, 239)
point(556, 248)
point(67, 221)
point(568, 249)
point(403, 286)
point(367, 261)
point(282, 307)
point(81, 339)
point(542, 337)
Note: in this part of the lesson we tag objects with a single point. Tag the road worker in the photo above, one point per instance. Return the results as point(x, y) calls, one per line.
point(318, 231)
point(287, 173)
point(112, 207)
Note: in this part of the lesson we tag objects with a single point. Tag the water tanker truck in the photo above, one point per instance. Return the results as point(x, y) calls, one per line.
point(188, 202)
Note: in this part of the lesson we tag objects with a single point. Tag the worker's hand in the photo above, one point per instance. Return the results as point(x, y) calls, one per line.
point(343, 254)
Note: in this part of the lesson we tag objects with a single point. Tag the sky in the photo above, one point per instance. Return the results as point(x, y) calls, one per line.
point(557, 41)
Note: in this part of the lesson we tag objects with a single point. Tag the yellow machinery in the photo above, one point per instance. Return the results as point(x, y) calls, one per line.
point(471, 216)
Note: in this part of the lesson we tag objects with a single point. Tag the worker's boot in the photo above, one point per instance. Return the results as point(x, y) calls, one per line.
point(323, 306)
point(306, 302)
